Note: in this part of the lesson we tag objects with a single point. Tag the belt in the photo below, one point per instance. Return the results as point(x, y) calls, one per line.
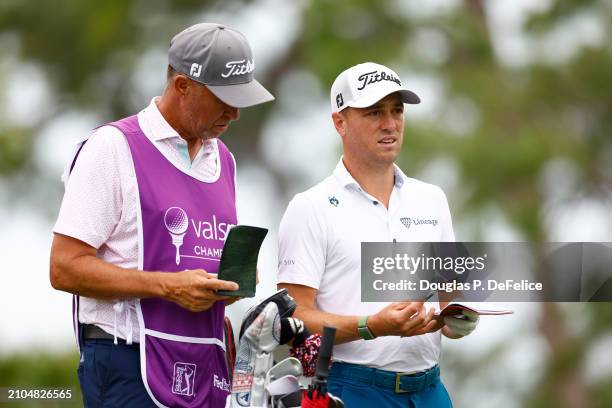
point(92, 332)
point(399, 382)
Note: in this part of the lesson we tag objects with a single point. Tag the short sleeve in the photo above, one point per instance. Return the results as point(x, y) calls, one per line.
point(302, 244)
point(92, 203)
point(448, 234)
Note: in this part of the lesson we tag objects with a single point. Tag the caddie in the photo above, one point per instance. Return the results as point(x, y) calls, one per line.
point(386, 354)
point(148, 204)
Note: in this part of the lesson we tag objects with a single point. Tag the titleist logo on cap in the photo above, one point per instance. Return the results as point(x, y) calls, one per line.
point(239, 68)
point(373, 77)
point(353, 84)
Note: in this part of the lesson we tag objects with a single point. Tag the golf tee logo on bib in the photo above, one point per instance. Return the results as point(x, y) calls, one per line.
point(178, 224)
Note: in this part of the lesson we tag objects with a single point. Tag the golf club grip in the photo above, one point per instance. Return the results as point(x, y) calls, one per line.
point(325, 351)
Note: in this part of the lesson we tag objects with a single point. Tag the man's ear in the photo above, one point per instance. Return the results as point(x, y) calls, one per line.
point(339, 123)
point(181, 84)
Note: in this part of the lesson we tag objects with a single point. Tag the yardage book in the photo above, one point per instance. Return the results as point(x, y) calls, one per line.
point(239, 259)
point(455, 308)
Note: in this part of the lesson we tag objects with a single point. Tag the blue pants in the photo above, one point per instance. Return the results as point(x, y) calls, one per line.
point(355, 392)
point(109, 375)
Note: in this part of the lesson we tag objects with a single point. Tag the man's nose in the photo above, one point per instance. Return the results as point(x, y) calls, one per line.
point(388, 121)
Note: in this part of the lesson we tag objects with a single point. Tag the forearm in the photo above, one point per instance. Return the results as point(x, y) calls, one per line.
point(75, 268)
point(92, 277)
point(314, 319)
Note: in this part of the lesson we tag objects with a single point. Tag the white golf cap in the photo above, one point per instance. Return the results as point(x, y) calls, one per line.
point(365, 84)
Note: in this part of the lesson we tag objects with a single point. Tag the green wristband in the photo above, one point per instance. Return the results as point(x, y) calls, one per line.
point(363, 330)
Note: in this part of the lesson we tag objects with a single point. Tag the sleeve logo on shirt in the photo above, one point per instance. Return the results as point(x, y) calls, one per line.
point(333, 201)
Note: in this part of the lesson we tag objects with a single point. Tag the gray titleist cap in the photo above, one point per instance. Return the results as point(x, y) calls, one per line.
point(221, 59)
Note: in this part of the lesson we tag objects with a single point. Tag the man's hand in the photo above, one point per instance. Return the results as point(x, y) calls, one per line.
point(195, 289)
point(403, 319)
point(461, 325)
point(232, 300)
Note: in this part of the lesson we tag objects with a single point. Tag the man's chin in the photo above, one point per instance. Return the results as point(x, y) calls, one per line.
point(211, 134)
point(388, 157)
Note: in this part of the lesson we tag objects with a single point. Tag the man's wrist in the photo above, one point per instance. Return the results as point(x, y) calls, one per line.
point(157, 283)
point(363, 329)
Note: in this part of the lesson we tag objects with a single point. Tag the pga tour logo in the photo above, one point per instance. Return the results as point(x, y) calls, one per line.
point(183, 380)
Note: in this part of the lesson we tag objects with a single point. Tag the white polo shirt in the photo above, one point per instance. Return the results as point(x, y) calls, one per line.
point(320, 246)
point(100, 203)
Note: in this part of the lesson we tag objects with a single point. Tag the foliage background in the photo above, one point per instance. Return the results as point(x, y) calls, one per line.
point(515, 125)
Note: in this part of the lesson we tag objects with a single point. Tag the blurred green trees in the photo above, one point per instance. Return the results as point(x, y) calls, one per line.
point(503, 125)
point(42, 371)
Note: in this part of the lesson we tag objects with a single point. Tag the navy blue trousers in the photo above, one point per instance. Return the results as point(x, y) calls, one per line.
point(109, 375)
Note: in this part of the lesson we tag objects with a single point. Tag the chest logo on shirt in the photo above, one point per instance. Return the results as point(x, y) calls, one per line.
point(176, 221)
point(333, 201)
point(407, 221)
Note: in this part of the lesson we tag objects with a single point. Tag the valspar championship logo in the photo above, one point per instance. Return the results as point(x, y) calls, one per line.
point(178, 224)
point(183, 380)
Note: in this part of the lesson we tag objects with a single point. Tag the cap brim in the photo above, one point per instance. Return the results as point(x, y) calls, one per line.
point(407, 97)
point(242, 95)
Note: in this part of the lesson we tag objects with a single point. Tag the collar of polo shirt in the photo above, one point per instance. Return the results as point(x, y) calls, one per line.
point(348, 181)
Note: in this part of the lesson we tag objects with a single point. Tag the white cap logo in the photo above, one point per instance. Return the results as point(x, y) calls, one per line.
point(196, 70)
point(239, 68)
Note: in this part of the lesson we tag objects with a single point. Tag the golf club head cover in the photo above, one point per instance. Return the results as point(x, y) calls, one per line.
point(293, 329)
point(285, 303)
point(254, 357)
point(307, 353)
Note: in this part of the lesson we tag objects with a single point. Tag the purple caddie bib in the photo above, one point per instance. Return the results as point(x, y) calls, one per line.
point(183, 223)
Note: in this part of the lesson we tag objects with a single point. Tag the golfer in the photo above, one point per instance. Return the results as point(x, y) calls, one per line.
point(386, 354)
point(148, 204)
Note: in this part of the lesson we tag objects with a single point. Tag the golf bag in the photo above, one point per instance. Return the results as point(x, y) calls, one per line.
point(257, 381)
